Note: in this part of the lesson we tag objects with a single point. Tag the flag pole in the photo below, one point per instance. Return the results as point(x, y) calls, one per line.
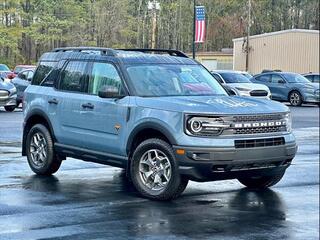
point(194, 30)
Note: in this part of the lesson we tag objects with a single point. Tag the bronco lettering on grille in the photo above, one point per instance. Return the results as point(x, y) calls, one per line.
point(259, 124)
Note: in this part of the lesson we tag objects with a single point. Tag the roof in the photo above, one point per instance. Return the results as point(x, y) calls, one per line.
point(307, 31)
point(126, 57)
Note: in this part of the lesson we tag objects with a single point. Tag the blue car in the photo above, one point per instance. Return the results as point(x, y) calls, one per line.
point(163, 118)
point(289, 87)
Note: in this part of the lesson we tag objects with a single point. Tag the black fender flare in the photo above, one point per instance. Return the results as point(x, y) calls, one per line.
point(150, 125)
point(32, 113)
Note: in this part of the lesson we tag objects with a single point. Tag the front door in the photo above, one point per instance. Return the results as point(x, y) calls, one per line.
point(104, 119)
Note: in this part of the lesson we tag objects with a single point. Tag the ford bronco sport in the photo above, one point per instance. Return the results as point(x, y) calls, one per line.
point(156, 113)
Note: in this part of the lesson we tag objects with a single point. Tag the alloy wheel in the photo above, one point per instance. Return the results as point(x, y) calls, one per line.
point(155, 170)
point(38, 150)
point(294, 99)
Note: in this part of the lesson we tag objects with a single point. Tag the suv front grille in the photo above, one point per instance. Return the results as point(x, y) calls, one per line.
point(254, 118)
point(259, 130)
point(258, 124)
point(259, 93)
point(253, 143)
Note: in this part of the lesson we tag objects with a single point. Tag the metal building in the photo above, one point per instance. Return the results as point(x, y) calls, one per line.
point(294, 50)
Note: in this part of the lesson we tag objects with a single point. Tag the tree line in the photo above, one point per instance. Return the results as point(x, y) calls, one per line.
point(30, 27)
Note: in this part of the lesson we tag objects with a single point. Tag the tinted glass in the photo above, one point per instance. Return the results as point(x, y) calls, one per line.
point(23, 75)
point(103, 75)
point(295, 78)
point(4, 67)
point(316, 78)
point(73, 77)
point(234, 78)
point(276, 78)
point(173, 80)
point(263, 78)
point(217, 77)
point(42, 71)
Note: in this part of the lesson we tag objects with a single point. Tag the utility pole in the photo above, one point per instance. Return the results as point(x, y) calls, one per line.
point(248, 36)
point(154, 6)
point(194, 31)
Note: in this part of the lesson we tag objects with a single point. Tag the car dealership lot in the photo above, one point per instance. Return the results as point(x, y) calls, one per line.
point(90, 201)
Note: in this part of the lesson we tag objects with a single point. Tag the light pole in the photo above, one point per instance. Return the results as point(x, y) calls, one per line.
point(248, 36)
point(154, 6)
point(194, 31)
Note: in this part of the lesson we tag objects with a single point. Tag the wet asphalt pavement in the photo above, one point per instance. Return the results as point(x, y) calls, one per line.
point(91, 201)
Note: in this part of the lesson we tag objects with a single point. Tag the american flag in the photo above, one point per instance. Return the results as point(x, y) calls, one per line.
point(200, 24)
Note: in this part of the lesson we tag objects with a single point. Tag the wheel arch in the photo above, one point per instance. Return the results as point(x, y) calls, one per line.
point(295, 90)
point(35, 117)
point(145, 131)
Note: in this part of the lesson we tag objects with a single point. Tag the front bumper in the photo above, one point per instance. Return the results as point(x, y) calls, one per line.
point(219, 163)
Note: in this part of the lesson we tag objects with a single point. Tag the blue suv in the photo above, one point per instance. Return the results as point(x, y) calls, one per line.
point(156, 113)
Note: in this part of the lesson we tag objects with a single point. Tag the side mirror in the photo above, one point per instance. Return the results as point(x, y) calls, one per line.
point(281, 81)
point(109, 92)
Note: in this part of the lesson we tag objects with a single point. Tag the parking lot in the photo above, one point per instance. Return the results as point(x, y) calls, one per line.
point(87, 200)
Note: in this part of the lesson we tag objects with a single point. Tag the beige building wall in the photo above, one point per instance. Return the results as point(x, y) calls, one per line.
point(290, 50)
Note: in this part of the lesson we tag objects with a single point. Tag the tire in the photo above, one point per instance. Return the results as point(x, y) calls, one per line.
point(10, 108)
point(295, 99)
point(43, 160)
point(156, 176)
point(261, 182)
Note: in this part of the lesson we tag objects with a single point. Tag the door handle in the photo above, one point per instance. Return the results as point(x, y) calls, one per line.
point(87, 105)
point(53, 101)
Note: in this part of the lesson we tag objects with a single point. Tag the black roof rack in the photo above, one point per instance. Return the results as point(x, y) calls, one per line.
point(105, 51)
point(171, 52)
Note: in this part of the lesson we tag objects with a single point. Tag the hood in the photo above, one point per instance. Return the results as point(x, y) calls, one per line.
point(212, 104)
point(307, 85)
point(251, 86)
point(6, 86)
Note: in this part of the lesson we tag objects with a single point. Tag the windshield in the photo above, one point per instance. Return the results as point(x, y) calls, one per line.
point(234, 78)
point(295, 78)
point(4, 68)
point(247, 75)
point(173, 80)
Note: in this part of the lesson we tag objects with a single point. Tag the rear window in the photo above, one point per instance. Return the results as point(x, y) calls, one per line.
point(42, 71)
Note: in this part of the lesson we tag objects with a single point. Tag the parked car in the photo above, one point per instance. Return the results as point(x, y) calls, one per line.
point(240, 84)
point(312, 77)
point(291, 87)
point(4, 68)
point(8, 95)
point(144, 113)
point(21, 82)
point(20, 68)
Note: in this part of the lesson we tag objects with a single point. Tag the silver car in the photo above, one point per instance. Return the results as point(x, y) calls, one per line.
point(239, 84)
point(8, 95)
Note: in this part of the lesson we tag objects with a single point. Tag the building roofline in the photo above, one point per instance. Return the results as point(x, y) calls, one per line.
point(278, 33)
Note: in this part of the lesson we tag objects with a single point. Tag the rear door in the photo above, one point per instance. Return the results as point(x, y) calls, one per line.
point(71, 91)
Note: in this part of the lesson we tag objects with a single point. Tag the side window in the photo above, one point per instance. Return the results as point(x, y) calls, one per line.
point(42, 71)
point(23, 75)
point(53, 76)
point(276, 79)
point(217, 77)
point(316, 78)
point(103, 75)
point(264, 78)
point(73, 76)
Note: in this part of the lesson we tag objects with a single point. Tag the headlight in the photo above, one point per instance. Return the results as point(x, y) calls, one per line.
point(205, 126)
point(288, 120)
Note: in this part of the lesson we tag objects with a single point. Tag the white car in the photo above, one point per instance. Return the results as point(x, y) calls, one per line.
point(238, 83)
